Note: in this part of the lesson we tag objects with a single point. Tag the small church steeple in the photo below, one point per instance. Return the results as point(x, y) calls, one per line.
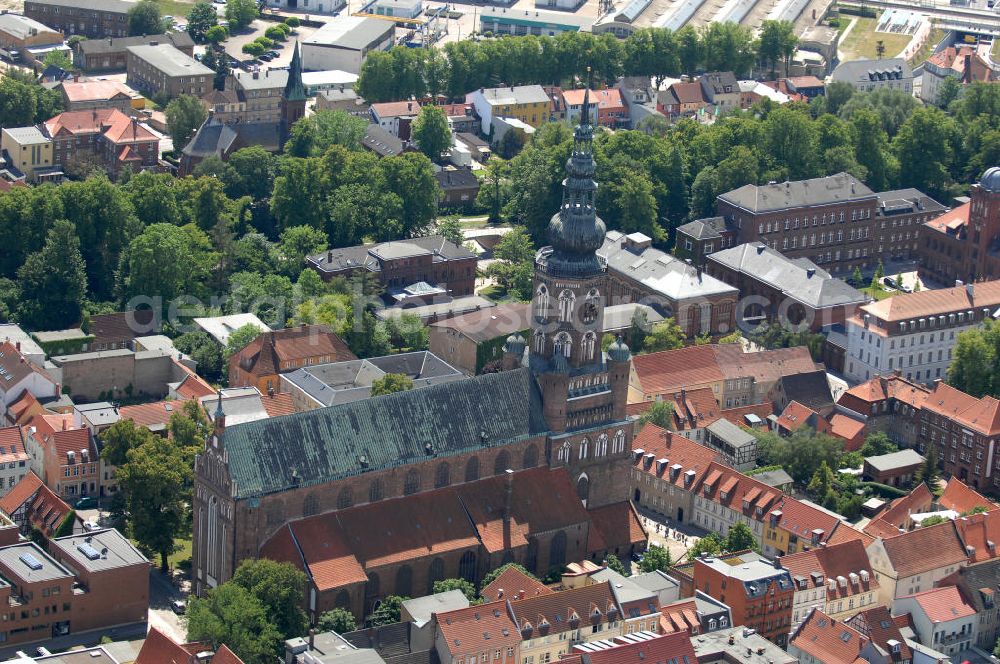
point(293, 99)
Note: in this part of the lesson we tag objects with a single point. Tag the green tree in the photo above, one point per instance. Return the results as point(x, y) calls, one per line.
point(240, 337)
point(928, 136)
point(837, 94)
point(948, 92)
point(391, 383)
point(801, 454)
point(821, 482)
point(337, 620)
point(656, 559)
point(451, 229)
point(241, 13)
point(467, 587)
point(740, 538)
point(659, 413)
point(313, 135)
point(431, 131)
point(710, 544)
point(388, 611)
point(201, 19)
point(974, 366)
point(120, 438)
point(231, 615)
point(254, 49)
point(216, 34)
point(932, 520)
point(144, 18)
point(152, 481)
point(253, 172)
point(203, 349)
point(189, 426)
point(280, 588)
point(615, 564)
point(857, 278)
point(58, 59)
point(878, 443)
point(166, 261)
point(184, 115)
point(53, 281)
point(930, 472)
point(665, 335)
point(296, 243)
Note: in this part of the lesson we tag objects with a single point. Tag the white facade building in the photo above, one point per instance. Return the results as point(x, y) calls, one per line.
point(915, 333)
point(345, 42)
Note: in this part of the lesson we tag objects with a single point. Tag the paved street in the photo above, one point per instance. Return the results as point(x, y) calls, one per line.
point(161, 616)
point(677, 538)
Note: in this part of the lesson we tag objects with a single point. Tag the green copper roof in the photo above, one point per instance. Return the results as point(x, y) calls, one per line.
point(294, 88)
point(329, 443)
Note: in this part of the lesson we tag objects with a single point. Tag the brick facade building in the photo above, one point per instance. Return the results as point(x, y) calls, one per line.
point(325, 478)
point(962, 244)
point(94, 19)
point(106, 137)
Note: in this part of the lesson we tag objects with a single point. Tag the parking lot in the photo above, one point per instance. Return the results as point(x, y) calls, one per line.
point(234, 45)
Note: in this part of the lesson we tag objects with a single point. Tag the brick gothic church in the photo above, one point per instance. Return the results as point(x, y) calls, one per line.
point(387, 495)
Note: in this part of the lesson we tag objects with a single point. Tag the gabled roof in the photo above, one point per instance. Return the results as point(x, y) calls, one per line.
point(878, 626)
point(158, 648)
point(155, 416)
point(849, 429)
point(828, 640)
point(978, 583)
point(981, 415)
point(691, 457)
point(962, 498)
point(688, 93)
point(43, 509)
point(511, 583)
point(278, 404)
point(860, 398)
point(897, 516)
point(985, 294)
point(795, 416)
point(908, 551)
point(810, 388)
point(804, 520)
point(637, 648)
point(617, 522)
point(942, 604)
point(829, 190)
point(81, 91)
point(575, 608)
point(478, 628)
point(981, 532)
point(904, 458)
point(608, 98)
point(487, 324)
point(110, 122)
point(815, 568)
point(730, 488)
point(266, 354)
point(382, 432)
point(14, 367)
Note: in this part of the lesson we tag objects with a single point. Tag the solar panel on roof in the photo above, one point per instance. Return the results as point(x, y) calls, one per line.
point(30, 560)
point(89, 551)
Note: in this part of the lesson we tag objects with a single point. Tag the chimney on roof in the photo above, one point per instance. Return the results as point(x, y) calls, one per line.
point(76, 77)
point(329, 257)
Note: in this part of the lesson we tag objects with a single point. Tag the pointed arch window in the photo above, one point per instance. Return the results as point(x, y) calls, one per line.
point(564, 345)
point(589, 345)
point(542, 301)
point(618, 445)
point(564, 452)
point(602, 445)
point(591, 307)
point(567, 301)
point(539, 342)
point(584, 448)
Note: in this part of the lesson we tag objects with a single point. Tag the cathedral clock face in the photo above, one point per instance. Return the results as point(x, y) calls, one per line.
point(589, 312)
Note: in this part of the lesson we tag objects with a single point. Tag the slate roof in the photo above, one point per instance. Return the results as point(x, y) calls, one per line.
point(659, 271)
point(116, 44)
point(459, 178)
point(213, 138)
point(811, 389)
point(349, 258)
point(797, 278)
point(381, 142)
point(855, 71)
point(348, 439)
point(704, 229)
point(781, 195)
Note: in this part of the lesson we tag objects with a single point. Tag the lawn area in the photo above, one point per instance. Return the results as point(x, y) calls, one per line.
point(175, 8)
point(174, 559)
point(861, 42)
point(878, 293)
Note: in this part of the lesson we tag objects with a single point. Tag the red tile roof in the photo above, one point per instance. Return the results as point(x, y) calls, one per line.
point(576, 608)
point(795, 416)
point(982, 533)
point(849, 429)
point(151, 415)
point(980, 415)
point(760, 498)
point(962, 498)
point(22, 406)
point(192, 386)
point(278, 404)
point(671, 370)
point(955, 59)
point(877, 624)
point(846, 533)
point(266, 354)
point(511, 583)
point(688, 93)
point(12, 445)
point(610, 98)
point(15, 366)
point(943, 604)
point(860, 398)
point(112, 123)
point(618, 523)
point(42, 508)
point(678, 451)
point(94, 90)
point(477, 629)
point(395, 109)
point(681, 616)
point(738, 415)
point(952, 219)
point(158, 648)
point(326, 552)
point(801, 519)
point(897, 516)
point(225, 656)
point(932, 302)
point(847, 560)
point(827, 640)
point(908, 551)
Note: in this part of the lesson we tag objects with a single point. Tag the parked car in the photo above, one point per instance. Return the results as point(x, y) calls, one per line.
point(273, 54)
point(266, 57)
point(90, 526)
point(86, 503)
point(889, 282)
point(178, 606)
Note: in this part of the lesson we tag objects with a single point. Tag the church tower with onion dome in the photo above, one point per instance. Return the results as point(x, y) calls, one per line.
point(584, 390)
